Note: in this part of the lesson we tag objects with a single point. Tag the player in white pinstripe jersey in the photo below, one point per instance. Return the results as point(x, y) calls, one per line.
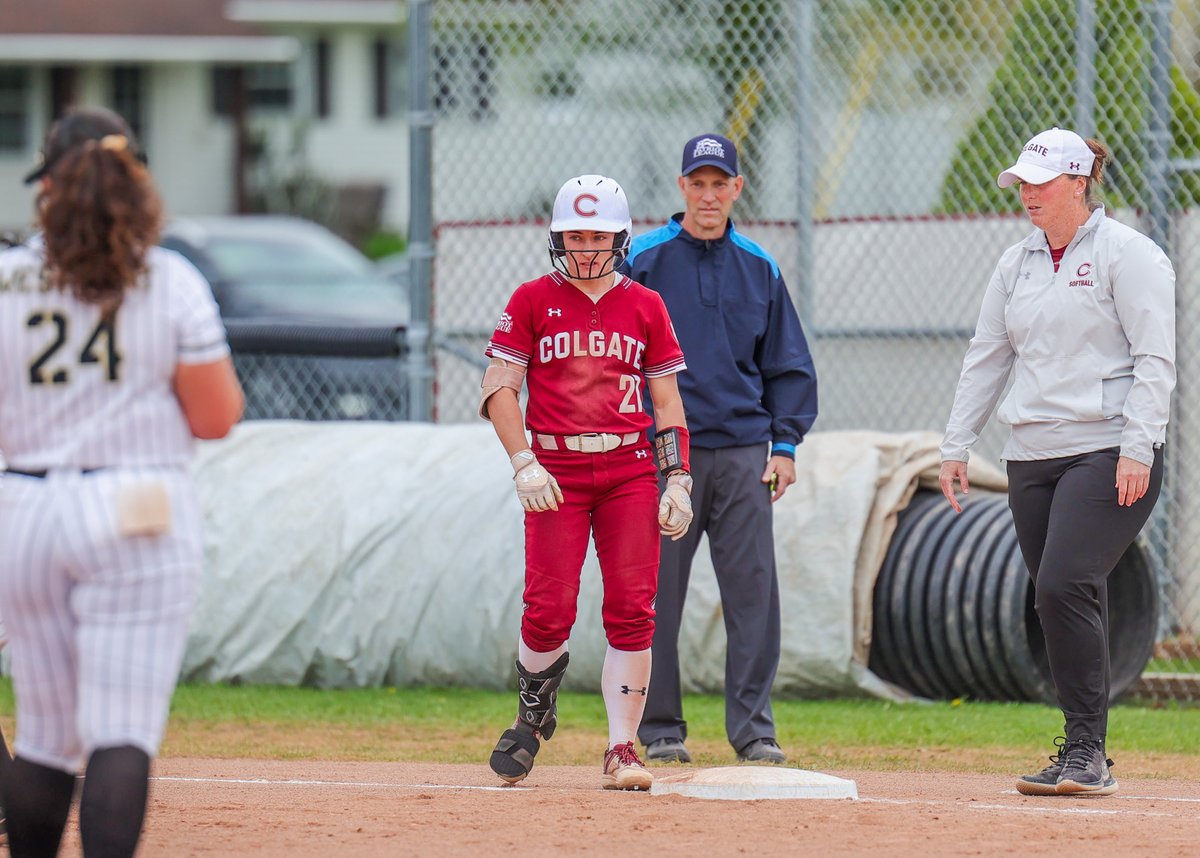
point(112, 359)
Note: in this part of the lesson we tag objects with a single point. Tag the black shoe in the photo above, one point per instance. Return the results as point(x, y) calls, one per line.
point(762, 751)
point(1085, 769)
point(668, 750)
point(1045, 781)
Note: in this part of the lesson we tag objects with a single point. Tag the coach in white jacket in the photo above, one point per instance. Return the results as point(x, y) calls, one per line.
point(1082, 314)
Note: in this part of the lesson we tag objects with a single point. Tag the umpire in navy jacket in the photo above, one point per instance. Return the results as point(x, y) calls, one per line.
point(750, 394)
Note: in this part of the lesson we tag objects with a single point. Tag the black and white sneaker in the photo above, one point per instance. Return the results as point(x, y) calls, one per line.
point(1045, 782)
point(1085, 769)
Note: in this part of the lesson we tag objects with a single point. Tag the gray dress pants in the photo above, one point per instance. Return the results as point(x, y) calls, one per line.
point(733, 507)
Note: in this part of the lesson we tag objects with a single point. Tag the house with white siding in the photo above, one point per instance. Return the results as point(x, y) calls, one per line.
point(234, 100)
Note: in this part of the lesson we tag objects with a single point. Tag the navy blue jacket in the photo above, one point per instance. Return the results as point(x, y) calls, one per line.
point(750, 377)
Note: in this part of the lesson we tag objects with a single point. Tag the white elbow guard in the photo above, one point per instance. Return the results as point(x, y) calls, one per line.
point(499, 374)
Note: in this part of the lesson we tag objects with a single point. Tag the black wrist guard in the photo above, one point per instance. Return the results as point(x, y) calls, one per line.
point(671, 449)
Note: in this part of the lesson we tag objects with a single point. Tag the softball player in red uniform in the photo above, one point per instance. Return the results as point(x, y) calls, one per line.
point(112, 358)
point(585, 339)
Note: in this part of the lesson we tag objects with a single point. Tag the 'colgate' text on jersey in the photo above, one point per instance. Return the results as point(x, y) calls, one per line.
point(586, 360)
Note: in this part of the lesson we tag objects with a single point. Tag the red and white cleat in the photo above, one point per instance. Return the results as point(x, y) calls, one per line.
point(623, 769)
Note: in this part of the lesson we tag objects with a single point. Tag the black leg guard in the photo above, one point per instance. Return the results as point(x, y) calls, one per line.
point(113, 805)
point(537, 717)
point(513, 756)
point(38, 800)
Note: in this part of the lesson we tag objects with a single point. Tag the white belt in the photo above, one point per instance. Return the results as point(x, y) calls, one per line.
point(589, 442)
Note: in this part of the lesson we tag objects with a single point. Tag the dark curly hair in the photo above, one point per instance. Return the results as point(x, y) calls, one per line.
point(97, 206)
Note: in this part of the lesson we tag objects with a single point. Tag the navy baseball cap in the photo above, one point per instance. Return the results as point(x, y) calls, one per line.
point(75, 128)
point(710, 150)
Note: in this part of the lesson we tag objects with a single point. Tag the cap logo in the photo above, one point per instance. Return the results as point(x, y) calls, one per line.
point(590, 211)
point(1074, 165)
point(708, 147)
point(1037, 149)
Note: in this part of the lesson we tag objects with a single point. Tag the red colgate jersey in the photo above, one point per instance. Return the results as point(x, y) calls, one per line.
point(585, 361)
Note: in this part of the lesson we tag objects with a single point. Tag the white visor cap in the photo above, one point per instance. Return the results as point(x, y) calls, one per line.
point(591, 202)
point(1051, 153)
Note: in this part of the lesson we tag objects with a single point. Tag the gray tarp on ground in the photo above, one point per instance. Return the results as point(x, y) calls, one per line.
point(365, 554)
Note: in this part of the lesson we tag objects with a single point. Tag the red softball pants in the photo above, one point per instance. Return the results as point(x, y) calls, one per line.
point(614, 497)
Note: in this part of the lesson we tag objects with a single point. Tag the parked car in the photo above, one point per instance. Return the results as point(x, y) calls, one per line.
point(317, 330)
point(277, 267)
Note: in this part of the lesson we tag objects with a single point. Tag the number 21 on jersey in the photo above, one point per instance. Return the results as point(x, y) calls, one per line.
point(631, 402)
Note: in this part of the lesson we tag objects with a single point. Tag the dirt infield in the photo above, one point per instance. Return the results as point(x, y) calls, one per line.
point(292, 809)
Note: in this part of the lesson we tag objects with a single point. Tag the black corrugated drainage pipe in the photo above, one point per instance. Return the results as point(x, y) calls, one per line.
point(954, 610)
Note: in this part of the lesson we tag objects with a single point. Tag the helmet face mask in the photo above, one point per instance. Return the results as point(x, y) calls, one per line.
point(562, 259)
point(590, 203)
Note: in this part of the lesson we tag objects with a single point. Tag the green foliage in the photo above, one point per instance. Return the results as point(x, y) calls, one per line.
point(283, 181)
point(1034, 89)
point(383, 243)
point(1173, 665)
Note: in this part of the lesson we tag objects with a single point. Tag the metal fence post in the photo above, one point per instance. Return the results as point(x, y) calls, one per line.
point(1085, 68)
point(1158, 125)
point(1158, 207)
point(802, 289)
point(420, 223)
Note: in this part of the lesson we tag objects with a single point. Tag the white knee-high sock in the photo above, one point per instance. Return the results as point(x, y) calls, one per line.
point(536, 662)
point(623, 682)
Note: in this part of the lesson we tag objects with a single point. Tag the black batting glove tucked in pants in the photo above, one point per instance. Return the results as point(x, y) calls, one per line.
point(1072, 533)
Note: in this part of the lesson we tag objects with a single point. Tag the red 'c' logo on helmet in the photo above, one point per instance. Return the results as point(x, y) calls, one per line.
point(1084, 270)
point(579, 206)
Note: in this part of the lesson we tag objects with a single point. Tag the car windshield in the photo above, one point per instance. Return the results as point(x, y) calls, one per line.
point(304, 275)
point(265, 260)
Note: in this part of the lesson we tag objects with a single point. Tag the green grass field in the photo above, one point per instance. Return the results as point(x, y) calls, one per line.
point(457, 725)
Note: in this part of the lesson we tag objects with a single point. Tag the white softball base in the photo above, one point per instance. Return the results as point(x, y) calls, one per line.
point(749, 783)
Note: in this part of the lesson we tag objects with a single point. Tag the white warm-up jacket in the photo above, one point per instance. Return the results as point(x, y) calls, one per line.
point(1091, 348)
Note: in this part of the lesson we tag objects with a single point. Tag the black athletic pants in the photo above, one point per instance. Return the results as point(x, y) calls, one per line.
point(733, 506)
point(1072, 533)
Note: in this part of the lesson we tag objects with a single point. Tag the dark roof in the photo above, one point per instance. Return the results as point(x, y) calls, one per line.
point(123, 18)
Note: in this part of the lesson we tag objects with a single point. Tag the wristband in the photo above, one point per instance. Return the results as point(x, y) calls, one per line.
point(783, 448)
point(521, 459)
point(672, 449)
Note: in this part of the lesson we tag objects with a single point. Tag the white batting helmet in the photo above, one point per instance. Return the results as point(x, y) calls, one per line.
point(595, 203)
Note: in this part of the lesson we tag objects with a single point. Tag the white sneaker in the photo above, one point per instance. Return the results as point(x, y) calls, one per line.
point(623, 769)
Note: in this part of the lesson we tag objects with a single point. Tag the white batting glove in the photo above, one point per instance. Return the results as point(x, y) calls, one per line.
point(536, 488)
point(675, 506)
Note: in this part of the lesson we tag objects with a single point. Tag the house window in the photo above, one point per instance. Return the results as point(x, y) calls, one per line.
point(268, 86)
point(464, 73)
point(322, 69)
point(390, 78)
point(64, 89)
point(127, 85)
point(381, 79)
point(14, 109)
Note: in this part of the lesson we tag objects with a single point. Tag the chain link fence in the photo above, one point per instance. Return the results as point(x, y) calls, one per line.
point(870, 134)
point(311, 372)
